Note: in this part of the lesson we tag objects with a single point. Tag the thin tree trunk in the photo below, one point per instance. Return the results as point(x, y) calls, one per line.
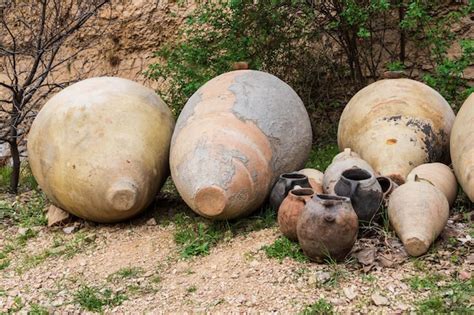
point(15, 177)
point(401, 17)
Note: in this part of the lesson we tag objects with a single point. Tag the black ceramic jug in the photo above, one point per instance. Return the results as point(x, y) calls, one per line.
point(285, 183)
point(364, 191)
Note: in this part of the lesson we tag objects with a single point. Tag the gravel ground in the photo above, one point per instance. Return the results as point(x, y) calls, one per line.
point(140, 264)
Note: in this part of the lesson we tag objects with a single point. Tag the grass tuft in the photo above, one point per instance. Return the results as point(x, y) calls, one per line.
point(92, 299)
point(321, 157)
point(282, 248)
point(319, 307)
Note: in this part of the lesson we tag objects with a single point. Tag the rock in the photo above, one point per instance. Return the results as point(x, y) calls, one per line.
point(464, 275)
point(323, 276)
point(379, 299)
point(57, 216)
point(69, 229)
point(22, 231)
point(151, 222)
point(350, 292)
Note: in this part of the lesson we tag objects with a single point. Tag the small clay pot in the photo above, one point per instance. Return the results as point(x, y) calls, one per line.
point(343, 161)
point(364, 191)
point(315, 178)
point(388, 186)
point(327, 227)
point(290, 210)
point(285, 183)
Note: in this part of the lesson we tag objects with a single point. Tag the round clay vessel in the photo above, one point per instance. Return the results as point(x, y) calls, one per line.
point(99, 148)
point(327, 227)
point(343, 161)
point(462, 147)
point(285, 183)
point(396, 125)
point(315, 178)
point(232, 140)
point(364, 191)
point(388, 186)
point(438, 174)
point(290, 210)
point(418, 212)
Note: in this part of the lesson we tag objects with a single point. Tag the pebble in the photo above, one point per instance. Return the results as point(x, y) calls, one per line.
point(69, 229)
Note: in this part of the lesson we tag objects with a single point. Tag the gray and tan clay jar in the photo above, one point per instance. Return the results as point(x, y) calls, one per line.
point(290, 210)
point(438, 174)
point(462, 147)
point(345, 160)
point(418, 212)
point(232, 140)
point(327, 228)
point(99, 148)
point(396, 125)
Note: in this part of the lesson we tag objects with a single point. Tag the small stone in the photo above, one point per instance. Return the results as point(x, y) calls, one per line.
point(23, 231)
point(379, 299)
point(254, 263)
point(323, 276)
point(402, 307)
point(464, 275)
point(151, 222)
point(312, 280)
point(69, 229)
point(350, 292)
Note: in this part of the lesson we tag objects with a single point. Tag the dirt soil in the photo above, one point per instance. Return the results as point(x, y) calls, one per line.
point(236, 275)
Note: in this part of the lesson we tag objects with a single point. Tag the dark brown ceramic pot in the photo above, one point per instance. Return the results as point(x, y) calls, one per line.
point(327, 228)
point(290, 210)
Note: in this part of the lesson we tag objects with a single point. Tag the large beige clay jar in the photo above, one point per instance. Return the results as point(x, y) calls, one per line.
point(234, 137)
point(438, 174)
point(462, 146)
point(396, 125)
point(343, 161)
point(418, 212)
point(99, 148)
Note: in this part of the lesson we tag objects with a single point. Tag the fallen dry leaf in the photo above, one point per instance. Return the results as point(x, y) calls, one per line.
point(366, 256)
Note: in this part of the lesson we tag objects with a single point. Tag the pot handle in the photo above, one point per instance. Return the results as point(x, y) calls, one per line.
point(354, 186)
point(329, 218)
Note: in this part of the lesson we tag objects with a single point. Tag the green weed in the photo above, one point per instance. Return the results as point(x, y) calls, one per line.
point(452, 298)
point(282, 248)
point(28, 214)
point(196, 236)
point(321, 157)
point(36, 309)
point(319, 307)
point(126, 272)
point(93, 299)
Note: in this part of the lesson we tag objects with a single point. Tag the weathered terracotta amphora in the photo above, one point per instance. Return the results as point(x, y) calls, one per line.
point(462, 147)
point(285, 183)
point(290, 210)
point(364, 191)
point(396, 125)
point(232, 140)
point(327, 228)
point(99, 148)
